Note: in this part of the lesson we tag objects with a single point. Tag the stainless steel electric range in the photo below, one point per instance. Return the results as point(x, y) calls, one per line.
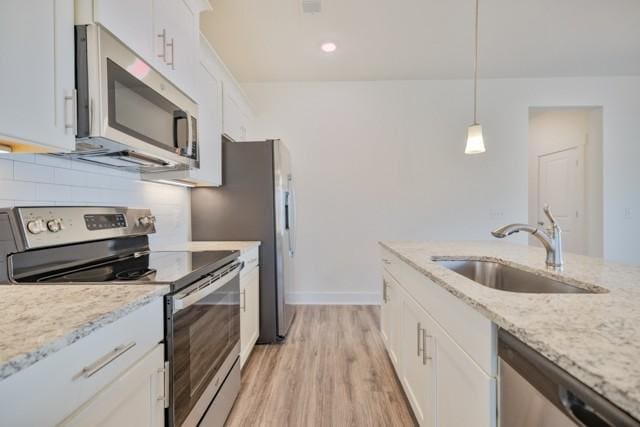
point(110, 246)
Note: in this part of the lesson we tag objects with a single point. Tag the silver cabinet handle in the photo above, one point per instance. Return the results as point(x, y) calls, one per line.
point(74, 112)
point(425, 357)
point(244, 300)
point(385, 295)
point(420, 339)
point(89, 371)
point(163, 36)
point(171, 44)
point(386, 261)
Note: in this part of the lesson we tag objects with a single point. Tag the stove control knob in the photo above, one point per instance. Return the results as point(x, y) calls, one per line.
point(54, 225)
point(36, 226)
point(146, 221)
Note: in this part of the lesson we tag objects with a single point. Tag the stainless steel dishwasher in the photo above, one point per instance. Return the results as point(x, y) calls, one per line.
point(534, 392)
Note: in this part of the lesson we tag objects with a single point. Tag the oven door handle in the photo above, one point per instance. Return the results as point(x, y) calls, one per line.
point(197, 293)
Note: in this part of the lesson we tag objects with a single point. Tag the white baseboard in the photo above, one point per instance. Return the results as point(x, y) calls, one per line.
point(334, 298)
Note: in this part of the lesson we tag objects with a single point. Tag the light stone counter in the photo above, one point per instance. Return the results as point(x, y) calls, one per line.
point(595, 337)
point(243, 246)
point(38, 320)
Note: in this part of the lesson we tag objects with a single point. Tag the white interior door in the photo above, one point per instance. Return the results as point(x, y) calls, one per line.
point(561, 186)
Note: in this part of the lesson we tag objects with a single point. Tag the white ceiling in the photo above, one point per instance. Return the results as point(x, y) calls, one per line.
point(271, 40)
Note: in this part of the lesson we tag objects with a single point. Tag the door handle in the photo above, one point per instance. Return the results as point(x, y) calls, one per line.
point(385, 294)
point(425, 357)
point(163, 36)
point(73, 99)
point(204, 288)
point(171, 44)
point(89, 371)
point(243, 307)
point(420, 339)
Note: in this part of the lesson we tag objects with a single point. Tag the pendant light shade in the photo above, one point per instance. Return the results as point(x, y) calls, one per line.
point(475, 141)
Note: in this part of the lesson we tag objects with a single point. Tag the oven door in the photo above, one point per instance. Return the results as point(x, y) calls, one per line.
point(203, 342)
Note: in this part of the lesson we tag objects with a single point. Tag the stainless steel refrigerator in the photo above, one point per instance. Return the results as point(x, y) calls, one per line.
point(255, 202)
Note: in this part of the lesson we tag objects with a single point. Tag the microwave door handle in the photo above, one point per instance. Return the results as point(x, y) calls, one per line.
point(177, 117)
point(189, 135)
point(182, 301)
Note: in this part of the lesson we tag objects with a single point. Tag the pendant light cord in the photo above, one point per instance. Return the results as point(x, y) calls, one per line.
point(475, 72)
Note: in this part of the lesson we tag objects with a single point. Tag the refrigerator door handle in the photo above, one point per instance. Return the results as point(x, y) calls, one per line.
point(290, 211)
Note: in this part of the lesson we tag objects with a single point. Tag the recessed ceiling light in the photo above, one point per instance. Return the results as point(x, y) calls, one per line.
point(328, 47)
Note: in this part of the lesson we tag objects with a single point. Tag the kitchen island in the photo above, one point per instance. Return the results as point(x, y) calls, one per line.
point(593, 336)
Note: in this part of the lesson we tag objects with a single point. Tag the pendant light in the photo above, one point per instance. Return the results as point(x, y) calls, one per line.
point(475, 142)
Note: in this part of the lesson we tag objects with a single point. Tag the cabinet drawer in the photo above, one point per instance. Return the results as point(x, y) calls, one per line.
point(251, 260)
point(59, 384)
point(473, 332)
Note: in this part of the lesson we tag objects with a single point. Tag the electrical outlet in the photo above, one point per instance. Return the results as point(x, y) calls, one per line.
point(628, 213)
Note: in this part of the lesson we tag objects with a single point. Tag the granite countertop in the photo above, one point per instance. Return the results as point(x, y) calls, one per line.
point(38, 320)
point(242, 246)
point(594, 337)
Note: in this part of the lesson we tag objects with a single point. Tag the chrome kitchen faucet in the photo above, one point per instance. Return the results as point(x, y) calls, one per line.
point(551, 237)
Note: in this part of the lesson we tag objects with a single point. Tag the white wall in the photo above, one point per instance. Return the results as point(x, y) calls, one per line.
point(384, 160)
point(551, 131)
point(28, 179)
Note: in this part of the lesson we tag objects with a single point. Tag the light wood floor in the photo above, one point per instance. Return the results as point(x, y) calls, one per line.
point(332, 370)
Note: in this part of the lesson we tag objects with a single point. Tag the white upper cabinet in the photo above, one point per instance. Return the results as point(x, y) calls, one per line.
point(163, 32)
point(37, 75)
point(209, 99)
point(130, 21)
point(209, 171)
point(235, 119)
point(176, 31)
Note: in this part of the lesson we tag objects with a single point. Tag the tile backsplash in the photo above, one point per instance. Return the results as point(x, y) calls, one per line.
point(37, 179)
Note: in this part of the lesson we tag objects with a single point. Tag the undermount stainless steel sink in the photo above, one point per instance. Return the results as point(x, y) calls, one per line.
point(505, 278)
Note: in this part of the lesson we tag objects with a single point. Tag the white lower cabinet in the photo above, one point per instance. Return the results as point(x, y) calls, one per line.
point(135, 399)
point(444, 384)
point(391, 316)
point(465, 395)
point(249, 305)
point(112, 377)
point(417, 368)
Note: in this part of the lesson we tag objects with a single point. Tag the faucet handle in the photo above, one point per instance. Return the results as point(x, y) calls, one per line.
point(547, 212)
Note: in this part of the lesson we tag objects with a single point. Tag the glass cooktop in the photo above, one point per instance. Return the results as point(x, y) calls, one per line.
point(144, 268)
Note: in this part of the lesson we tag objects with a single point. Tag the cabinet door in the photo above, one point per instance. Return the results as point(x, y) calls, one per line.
point(209, 133)
point(235, 120)
point(130, 21)
point(391, 318)
point(249, 313)
point(176, 40)
point(385, 311)
point(253, 306)
point(135, 399)
point(417, 362)
point(465, 394)
point(37, 63)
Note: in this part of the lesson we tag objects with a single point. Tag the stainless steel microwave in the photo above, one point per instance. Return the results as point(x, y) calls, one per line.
point(128, 115)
